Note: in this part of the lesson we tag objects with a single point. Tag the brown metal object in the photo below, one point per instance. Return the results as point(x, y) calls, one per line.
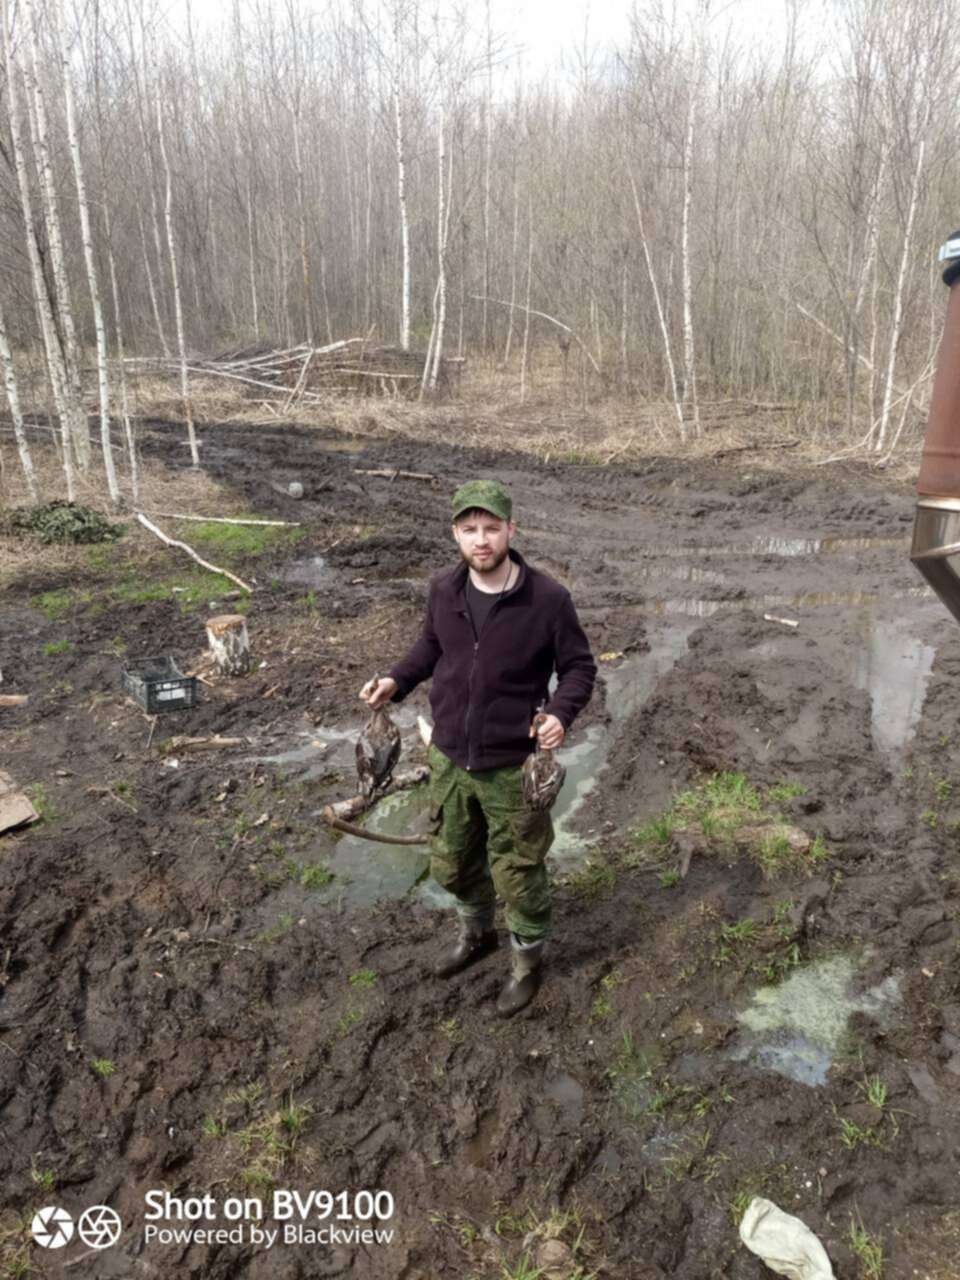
point(936, 531)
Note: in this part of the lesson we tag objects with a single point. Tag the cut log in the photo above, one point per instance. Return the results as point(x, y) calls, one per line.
point(229, 643)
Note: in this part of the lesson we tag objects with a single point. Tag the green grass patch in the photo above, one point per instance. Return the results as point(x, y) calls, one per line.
point(594, 879)
point(54, 647)
point(55, 605)
point(730, 812)
point(363, 978)
point(233, 542)
point(311, 875)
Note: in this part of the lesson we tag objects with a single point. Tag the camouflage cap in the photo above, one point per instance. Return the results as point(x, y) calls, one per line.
point(489, 495)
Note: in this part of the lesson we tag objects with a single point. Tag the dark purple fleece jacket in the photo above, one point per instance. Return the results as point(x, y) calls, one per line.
point(485, 692)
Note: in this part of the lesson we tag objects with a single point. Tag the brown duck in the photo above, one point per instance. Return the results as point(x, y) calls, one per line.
point(378, 750)
point(543, 775)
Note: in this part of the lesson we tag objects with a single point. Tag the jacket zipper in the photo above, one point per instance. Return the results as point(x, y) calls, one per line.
point(473, 667)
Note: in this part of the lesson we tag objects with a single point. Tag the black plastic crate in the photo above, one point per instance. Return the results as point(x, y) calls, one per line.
point(159, 685)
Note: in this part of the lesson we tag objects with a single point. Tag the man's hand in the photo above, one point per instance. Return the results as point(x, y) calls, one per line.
point(378, 690)
point(549, 731)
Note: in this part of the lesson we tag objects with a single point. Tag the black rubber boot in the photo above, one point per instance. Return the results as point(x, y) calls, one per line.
point(477, 938)
point(524, 981)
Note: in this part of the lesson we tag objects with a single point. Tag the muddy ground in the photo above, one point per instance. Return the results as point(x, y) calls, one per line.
point(185, 1005)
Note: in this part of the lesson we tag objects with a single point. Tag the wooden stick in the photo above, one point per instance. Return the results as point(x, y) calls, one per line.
point(178, 515)
point(350, 829)
point(173, 542)
point(784, 622)
point(392, 475)
point(181, 743)
point(13, 699)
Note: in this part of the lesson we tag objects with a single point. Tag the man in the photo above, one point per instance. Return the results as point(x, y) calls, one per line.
point(494, 632)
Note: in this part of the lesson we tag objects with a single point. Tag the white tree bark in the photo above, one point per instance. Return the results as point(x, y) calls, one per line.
point(661, 317)
point(401, 183)
point(13, 399)
point(897, 323)
point(442, 228)
point(54, 352)
point(178, 307)
point(37, 116)
point(690, 403)
point(86, 235)
point(525, 356)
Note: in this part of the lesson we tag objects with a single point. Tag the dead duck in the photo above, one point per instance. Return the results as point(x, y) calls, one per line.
point(378, 750)
point(543, 776)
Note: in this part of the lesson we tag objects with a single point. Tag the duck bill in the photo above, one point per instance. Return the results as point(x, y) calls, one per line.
point(936, 530)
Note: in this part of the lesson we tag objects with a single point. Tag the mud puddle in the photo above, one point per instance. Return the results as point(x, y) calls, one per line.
point(697, 608)
point(889, 659)
point(786, 548)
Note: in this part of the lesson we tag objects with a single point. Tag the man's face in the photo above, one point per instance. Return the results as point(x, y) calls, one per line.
point(483, 539)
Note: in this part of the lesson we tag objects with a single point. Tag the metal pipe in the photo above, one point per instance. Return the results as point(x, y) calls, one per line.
point(936, 530)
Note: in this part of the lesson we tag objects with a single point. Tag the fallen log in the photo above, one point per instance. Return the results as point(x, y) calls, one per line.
point(177, 515)
point(174, 542)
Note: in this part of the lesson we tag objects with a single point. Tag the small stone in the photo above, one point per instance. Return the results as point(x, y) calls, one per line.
point(295, 489)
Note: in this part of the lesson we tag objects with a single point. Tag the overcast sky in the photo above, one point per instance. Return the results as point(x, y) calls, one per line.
point(550, 30)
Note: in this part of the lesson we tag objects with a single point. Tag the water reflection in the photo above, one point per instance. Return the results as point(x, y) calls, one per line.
point(694, 608)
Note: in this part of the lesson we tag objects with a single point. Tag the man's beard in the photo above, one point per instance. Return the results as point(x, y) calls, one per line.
point(486, 565)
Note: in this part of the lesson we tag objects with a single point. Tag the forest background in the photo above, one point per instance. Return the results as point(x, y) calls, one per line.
point(702, 209)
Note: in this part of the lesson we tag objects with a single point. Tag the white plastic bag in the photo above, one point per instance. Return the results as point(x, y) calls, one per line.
point(783, 1242)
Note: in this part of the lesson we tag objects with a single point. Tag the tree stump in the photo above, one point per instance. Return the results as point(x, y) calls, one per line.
point(229, 643)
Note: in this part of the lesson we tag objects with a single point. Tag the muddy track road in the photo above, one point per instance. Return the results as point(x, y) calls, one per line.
point(269, 1027)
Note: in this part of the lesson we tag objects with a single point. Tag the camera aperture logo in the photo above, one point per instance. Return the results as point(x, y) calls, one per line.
point(52, 1227)
point(98, 1227)
point(315, 1218)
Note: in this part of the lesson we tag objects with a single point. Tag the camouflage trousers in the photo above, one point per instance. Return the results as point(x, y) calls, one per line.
point(487, 844)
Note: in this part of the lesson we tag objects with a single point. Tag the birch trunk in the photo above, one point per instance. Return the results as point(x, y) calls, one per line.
point(487, 166)
point(526, 322)
point(401, 190)
point(897, 324)
point(689, 351)
point(13, 399)
point(513, 265)
point(437, 354)
point(661, 318)
point(178, 308)
point(302, 220)
point(51, 342)
point(79, 432)
point(86, 235)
